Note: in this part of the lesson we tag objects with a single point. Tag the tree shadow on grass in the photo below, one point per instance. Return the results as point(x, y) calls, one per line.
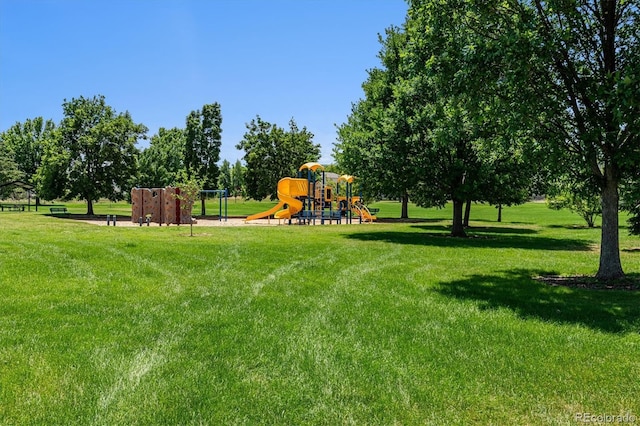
point(505, 221)
point(496, 238)
point(517, 290)
point(499, 230)
point(413, 220)
point(572, 226)
point(82, 217)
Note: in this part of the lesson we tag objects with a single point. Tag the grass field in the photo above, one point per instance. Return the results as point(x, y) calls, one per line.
point(390, 323)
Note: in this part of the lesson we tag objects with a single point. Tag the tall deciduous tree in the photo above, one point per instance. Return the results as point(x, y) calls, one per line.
point(94, 155)
point(513, 166)
point(8, 168)
point(580, 197)
point(237, 179)
point(202, 146)
point(162, 162)
point(272, 153)
point(453, 109)
point(447, 140)
point(224, 179)
point(567, 69)
point(631, 202)
point(52, 176)
point(421, 128)
point(580, 61)
point(25, 141)
point(375, 143)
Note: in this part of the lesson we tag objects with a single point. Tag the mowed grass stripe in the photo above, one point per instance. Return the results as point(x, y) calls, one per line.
point(373, 324)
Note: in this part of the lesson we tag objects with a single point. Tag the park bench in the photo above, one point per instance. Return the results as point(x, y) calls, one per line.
point(12, 207)
point(333, 215)
point(58, 210)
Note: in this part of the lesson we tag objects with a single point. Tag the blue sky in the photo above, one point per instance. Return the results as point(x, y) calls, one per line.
point(161, 59)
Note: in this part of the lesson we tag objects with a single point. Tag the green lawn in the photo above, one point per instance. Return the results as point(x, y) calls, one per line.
point(390, 323)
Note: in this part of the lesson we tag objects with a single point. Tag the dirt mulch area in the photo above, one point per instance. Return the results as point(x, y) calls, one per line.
point(629, 283)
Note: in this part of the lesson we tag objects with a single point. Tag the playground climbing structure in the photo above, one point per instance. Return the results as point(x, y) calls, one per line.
point(308, 198)
point(160, 205)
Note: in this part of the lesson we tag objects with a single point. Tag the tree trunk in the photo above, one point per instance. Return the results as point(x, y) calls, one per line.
point(467, 213)
point(458, 228)
point(610, 265)
point(499, 212)
point(591, 220)
point(405, 207)
point(89, 207)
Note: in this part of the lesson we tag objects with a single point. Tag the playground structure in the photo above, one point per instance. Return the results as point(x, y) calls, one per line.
point(357, 207)
point(161, 205)
point(158, 205)
point(309, 198)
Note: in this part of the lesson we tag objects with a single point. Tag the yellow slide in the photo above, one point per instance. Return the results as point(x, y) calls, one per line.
point(293, 207)
point(267, 213)
point(367, 216)
point(362, 211)
point(288, 188)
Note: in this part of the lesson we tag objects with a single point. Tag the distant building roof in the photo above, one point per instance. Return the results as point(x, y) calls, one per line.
point(331, 175)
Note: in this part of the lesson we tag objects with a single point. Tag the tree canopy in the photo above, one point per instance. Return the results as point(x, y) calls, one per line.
point(93, 154)
point(272, 153)
point(473, 96)
point(237, 179)
point(202, 145)
point(161, 163)
point(422, 129)
point(581, 60)
point(631, 201)
point(224, 179)
point(25, 142)
point(8, 168)
point(375, 143)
